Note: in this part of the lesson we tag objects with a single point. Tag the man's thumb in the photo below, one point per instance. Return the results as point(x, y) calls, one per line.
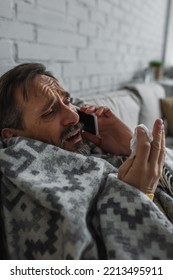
point(91, 137)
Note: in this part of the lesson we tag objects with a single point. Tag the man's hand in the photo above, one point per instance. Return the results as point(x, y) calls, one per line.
point(144, 170)
point(114, 135)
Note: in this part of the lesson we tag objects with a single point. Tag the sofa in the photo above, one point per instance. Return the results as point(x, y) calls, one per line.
point(136, 104)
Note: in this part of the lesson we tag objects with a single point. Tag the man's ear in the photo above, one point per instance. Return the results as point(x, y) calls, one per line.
point(7, 132)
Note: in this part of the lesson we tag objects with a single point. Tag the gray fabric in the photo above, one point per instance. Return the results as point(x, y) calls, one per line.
point(150, 95)
point(61, 205)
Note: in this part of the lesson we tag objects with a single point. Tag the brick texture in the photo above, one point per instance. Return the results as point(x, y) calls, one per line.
point(91, 46)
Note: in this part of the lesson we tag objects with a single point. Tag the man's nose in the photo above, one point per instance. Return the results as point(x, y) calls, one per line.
point(70, 116)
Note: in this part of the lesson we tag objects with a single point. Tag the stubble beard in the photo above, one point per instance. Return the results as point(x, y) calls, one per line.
point(81, 147)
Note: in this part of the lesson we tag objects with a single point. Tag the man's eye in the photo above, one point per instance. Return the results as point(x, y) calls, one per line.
point(68, 100)
point(49, 113)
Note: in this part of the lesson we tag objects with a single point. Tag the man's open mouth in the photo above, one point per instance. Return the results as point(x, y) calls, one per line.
point(73, 137)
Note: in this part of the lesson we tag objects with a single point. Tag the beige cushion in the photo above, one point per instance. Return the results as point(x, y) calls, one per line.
point(123, 103)
point(167, 109)
point(150, 95)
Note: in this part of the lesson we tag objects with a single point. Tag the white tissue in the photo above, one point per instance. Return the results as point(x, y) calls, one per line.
point(133, 142)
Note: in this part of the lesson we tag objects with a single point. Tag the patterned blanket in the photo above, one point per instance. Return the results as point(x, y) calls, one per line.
point(57, 204)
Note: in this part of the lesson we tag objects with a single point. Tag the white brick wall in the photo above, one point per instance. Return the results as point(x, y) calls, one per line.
point(90, 45)
point(6, 9)
point(55, 5)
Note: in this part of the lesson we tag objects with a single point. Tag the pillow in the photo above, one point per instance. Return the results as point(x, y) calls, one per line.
point(167, 109)
point(150, 95)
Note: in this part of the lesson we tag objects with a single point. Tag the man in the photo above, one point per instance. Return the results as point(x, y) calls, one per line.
point(58, 201)
point(33, 104)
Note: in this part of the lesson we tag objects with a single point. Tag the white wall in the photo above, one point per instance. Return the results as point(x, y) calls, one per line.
point(168, 55)
point(90, 45)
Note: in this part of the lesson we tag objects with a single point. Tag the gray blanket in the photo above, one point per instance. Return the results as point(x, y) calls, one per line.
point(57, 204)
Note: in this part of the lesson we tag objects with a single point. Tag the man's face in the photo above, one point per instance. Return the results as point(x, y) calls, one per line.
point(49, 116)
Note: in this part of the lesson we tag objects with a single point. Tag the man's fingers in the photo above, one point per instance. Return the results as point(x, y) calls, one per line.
point(162, 151)
point(98, 110)
point(157, 143)
point(93, 138)
point(143, 146)
point(124, 168)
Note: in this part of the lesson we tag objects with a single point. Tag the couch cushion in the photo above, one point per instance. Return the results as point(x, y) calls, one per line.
point(169, 142)
point(119, 102)
point(167, 109)
point(150, 95)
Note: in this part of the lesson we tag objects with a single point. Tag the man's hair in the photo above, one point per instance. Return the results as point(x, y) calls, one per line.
point(17, 78)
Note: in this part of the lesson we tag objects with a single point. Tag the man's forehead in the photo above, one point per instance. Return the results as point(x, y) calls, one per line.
point(48, 86)
point(43, 87)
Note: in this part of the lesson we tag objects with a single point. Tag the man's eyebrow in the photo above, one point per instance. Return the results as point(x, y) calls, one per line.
point(52, 101)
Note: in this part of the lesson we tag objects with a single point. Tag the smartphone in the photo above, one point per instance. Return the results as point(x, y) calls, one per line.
point(90, 122)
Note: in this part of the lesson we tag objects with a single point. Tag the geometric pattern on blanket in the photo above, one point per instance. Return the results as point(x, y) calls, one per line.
point(133, 232)
point(62, 205)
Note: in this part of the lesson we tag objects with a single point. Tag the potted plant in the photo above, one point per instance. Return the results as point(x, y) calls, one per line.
point(156, 66)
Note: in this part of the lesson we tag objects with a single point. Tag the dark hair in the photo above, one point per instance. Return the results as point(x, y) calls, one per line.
point(18, 77)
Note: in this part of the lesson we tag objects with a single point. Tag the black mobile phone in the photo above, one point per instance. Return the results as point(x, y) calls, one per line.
point(89, 121)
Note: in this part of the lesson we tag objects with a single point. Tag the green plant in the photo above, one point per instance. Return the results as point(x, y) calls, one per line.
point(155, 63)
